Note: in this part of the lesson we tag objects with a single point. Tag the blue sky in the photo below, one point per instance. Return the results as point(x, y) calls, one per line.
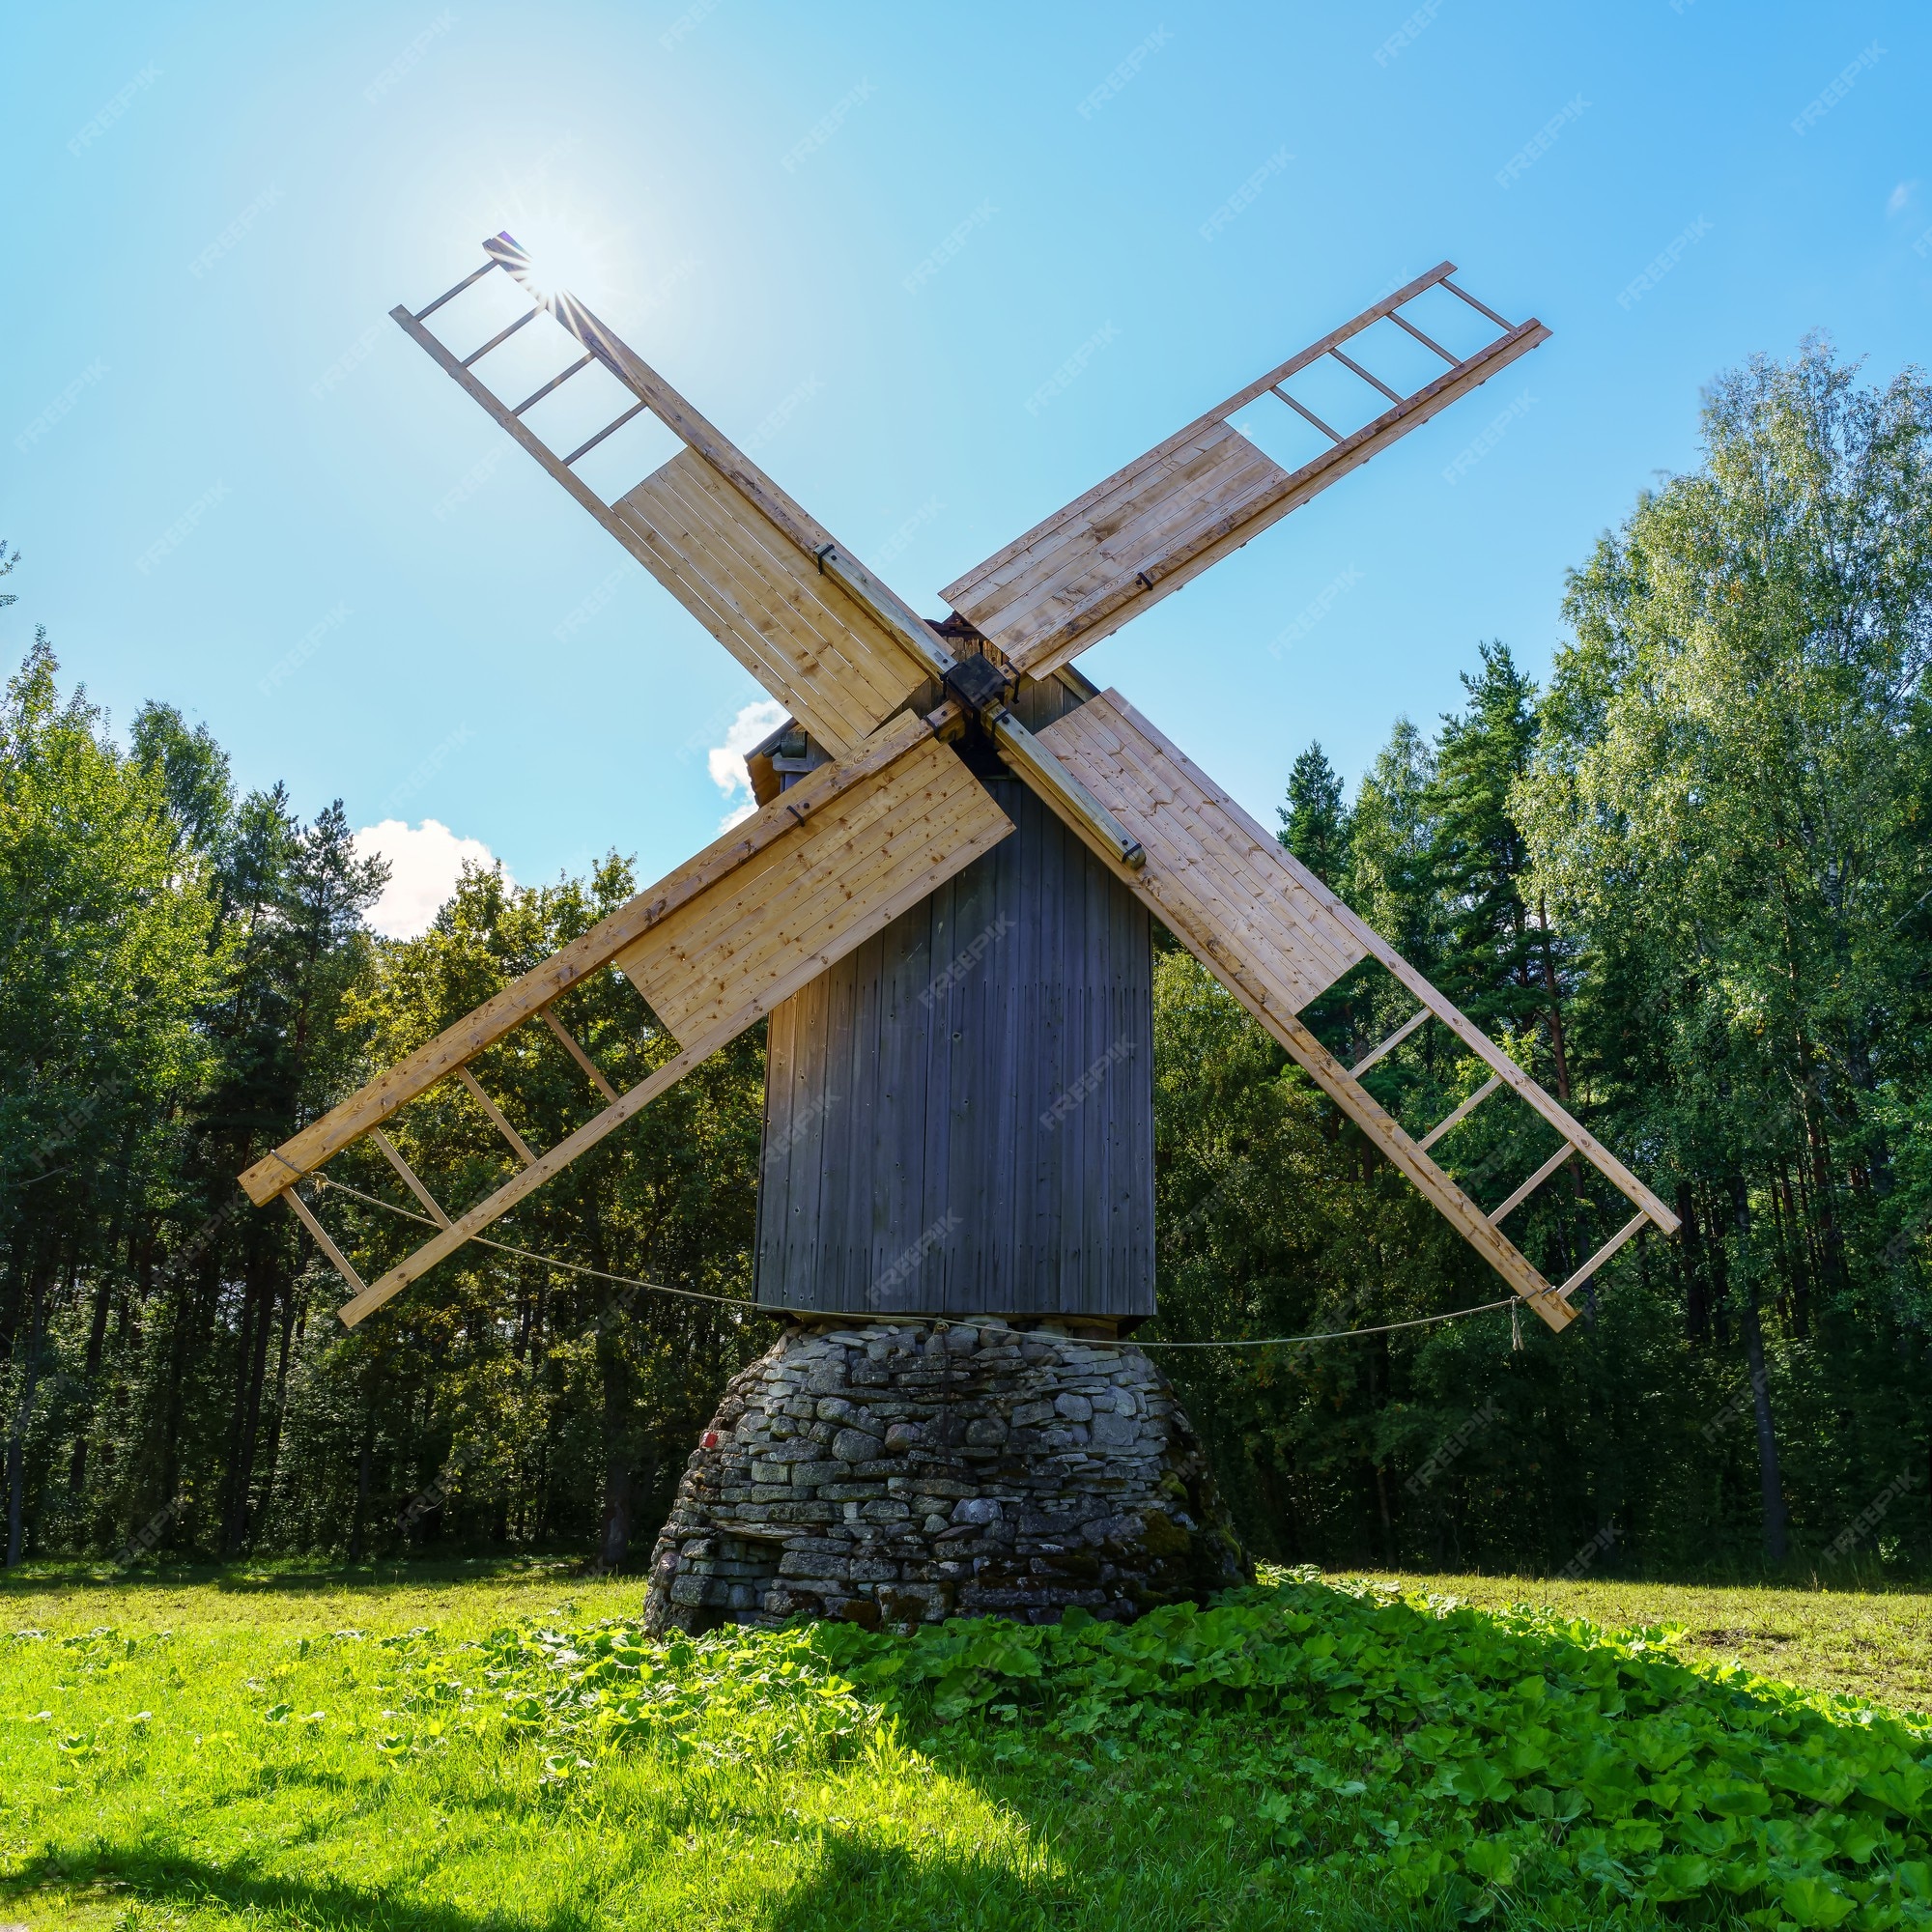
point(238, 488)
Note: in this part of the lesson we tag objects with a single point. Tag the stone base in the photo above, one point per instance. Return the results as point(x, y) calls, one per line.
point(899, 1474)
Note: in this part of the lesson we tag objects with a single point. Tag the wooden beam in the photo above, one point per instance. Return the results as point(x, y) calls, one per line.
point(1106, 613)
point(408, 1174)
point(1030, 759)
point(578, 1054)
point(450, 294)
point(608, 429)
point(1355, 368)
point(914, 635)
point(1485, 1049)
point(536, 396)
point(1188, 918)
point(532, 1177)
point(525, 996)
point(1463, 1112)
point(1394, 1040)
point(1333, 435)
point(1603, 1255)
point(496, 1113)
point(476, 355)
point(321, 1240)
point(1498, 1215)
point(507, 418)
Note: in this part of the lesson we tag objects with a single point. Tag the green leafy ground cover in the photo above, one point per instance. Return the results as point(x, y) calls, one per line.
point(282, 1752)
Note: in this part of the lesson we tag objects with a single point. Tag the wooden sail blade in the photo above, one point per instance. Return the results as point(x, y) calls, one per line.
point(778, 825)
point(847, 859)
point(726, 958)
point(1159, 522)
point(731, 546)
point(1275, 936)
point(818, 652)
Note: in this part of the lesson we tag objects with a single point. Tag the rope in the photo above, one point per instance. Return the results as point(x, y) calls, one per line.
point(544, 1261)
point(1509, 1302)
point(1340, 1334)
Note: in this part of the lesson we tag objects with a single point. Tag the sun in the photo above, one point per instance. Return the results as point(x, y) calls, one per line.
point(564, 255)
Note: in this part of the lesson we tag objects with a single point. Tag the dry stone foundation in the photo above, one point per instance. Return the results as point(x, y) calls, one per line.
point(901, 1474)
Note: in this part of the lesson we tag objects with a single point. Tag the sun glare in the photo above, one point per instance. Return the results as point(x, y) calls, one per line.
point(565, 253)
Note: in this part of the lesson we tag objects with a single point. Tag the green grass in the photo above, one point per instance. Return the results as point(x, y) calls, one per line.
point(254, 1765)
point(1876, 1645)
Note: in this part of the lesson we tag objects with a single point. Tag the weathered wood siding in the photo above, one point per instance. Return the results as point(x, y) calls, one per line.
point(959, 1114)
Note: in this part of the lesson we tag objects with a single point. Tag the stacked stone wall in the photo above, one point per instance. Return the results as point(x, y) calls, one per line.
point(901, 1474)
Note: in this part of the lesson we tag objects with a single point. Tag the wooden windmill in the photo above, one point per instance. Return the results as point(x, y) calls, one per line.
point(942, 901)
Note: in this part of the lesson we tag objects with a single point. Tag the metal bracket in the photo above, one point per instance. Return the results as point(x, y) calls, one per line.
point(976, 682)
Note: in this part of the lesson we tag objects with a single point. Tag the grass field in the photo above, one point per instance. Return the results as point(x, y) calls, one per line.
point(1858, 1642)
point(328, 1748)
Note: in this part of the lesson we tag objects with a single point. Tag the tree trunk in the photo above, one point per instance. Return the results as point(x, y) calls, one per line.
point(1772, 1484)
point(292, 1324)
point(23, 1415)
point(366, 1462)
point(1388, 1523)
point(1690, 1260)
point(619, 1432)
point(253, 1365)
point(97, 1342)
point(1720, 1274)
point(1550, 986)
point(615, 1545)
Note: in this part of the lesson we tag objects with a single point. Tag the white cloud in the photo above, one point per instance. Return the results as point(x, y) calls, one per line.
point(1900, 198)
point(726, 761)
point(424, 861)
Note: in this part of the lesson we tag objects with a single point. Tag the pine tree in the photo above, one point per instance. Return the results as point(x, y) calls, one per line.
point(1315, 821)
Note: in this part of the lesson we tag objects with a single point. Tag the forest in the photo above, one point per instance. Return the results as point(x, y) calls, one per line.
point(1686, 880)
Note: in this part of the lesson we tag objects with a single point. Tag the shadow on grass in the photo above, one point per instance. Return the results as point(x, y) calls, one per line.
point(164, 1876)
point(294, 1577)
point(883, 1888)
point(1149, 1889)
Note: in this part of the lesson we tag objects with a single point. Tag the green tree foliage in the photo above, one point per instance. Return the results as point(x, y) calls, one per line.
point(1688, 888)
point(185, 976)
point(1315, 821)
point(1688, 884)
point(563, 1402)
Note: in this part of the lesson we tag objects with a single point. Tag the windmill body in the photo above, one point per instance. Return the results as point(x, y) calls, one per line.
point(959, 1113)
point(942, 905)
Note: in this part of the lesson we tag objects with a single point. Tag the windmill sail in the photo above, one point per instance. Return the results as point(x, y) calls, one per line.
point(715, 530)
point(857, 842)
point(712, 948)
point(1161, 520)
point(1276, 937)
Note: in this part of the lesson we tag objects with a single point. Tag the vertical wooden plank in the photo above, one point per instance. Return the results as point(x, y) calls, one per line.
point(928, 1203)
point(1067, 1012)
point(935, 1127)
point(882, 1056)
point(1037, 1159)
point(844, 1258)
point(1133, 1289)
point(900, 1037)
point(774, 1171)
point(969, 1188)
